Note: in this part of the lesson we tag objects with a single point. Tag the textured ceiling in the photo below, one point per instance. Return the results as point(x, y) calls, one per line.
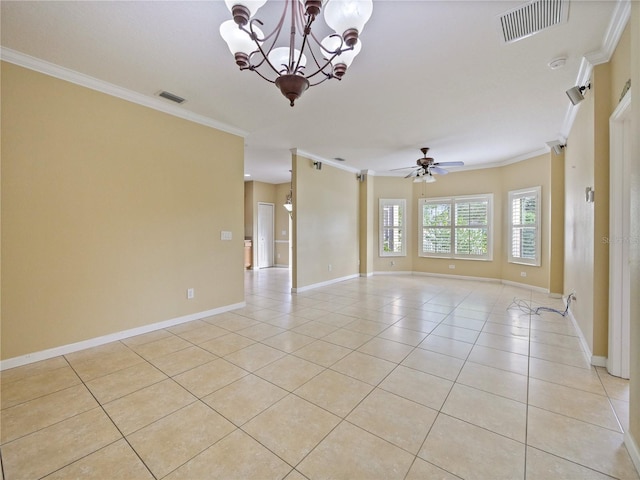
point(431, 73)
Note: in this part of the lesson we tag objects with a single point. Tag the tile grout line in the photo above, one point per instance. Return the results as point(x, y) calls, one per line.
point(113, 423)
point(526, 418)
point(439, 410)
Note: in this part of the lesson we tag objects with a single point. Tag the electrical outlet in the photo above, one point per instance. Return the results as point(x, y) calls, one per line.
point(523, 274)
point(278, 256)
point(329, 267)
point(190, 293)
point(452, 267)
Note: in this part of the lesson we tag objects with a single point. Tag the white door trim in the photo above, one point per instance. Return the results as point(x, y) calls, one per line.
point(618, 360)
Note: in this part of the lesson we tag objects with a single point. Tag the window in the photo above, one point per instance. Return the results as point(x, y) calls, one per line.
point(524, 226)
point(392, 228)
point(456, 227)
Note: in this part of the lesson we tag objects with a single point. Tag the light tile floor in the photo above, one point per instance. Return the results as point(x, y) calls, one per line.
point(390, 377)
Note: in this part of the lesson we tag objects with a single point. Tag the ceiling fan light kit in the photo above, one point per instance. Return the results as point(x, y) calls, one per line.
point(286, 66)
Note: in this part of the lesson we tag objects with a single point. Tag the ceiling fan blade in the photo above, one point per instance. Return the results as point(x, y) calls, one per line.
point(402, 168)
point(438, 170)
point(450, 164)
point(412, 174)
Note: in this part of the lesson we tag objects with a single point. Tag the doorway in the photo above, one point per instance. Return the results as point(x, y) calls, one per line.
point(618, 360)
point(265, 238)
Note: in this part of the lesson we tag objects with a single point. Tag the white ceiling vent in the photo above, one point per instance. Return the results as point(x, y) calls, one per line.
point(533, 17)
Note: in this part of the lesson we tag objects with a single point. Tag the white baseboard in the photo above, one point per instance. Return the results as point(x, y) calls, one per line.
point(392, 272)
point(598, 361)
point(524, 285)
point(632, 448)
point(324, 284)
point(595, 360)
point(455, 277)
point(112, 337)
point(367, 274)
point(284, 265)
point(464, 277)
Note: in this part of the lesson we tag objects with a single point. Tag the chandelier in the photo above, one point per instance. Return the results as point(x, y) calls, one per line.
point(296, 60)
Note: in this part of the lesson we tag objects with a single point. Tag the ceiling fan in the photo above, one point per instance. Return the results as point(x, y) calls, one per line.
point(427, 167)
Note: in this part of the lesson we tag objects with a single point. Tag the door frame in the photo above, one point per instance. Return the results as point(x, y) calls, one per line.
point(618, 359)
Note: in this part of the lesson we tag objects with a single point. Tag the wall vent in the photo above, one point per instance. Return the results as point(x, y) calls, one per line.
point(533, 17)
point(171, 96)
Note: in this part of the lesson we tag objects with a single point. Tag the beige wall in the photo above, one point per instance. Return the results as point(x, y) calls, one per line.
point(110, 211)
point(587, 224)
point(394, 188)
point(326, 223)
point(533, 172)
point(579, 216)
point(603, 110)
point(634, 405)
point(556, 224)
point(367, 226)
point(248, 210)
point(620, 65)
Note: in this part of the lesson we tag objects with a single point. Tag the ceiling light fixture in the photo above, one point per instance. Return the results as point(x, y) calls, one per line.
point(425, 177)
point(576, 95)
point(284, 62)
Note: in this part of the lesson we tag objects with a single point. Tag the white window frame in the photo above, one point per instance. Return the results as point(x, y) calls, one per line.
point(517, 194)
point(452, 201)
point(402, 204)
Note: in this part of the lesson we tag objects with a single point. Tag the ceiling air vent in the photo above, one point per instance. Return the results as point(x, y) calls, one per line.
point(533, 17)
point(171, 96)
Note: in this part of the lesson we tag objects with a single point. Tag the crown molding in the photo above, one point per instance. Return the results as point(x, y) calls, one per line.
point(619, 20)
point(62, 73)
point(316, 158)
point(504, 163)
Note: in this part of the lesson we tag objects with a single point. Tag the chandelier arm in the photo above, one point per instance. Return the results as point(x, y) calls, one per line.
point(261, 75)
point(333, 54)
point(321, 68)
point(265, 58)
point(265, 54)
point(275, 31)
point(258, 41)
point(327, 77)
point(304, 44)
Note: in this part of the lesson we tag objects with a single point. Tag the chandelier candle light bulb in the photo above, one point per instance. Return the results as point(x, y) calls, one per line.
point(277, 59)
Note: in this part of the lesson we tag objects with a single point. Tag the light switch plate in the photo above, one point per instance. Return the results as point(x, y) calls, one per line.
point(225, 235)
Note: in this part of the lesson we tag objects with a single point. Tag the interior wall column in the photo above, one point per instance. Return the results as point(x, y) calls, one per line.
point(367, 233)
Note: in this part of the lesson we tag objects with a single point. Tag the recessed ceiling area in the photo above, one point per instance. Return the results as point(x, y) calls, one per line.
point(430, 73)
